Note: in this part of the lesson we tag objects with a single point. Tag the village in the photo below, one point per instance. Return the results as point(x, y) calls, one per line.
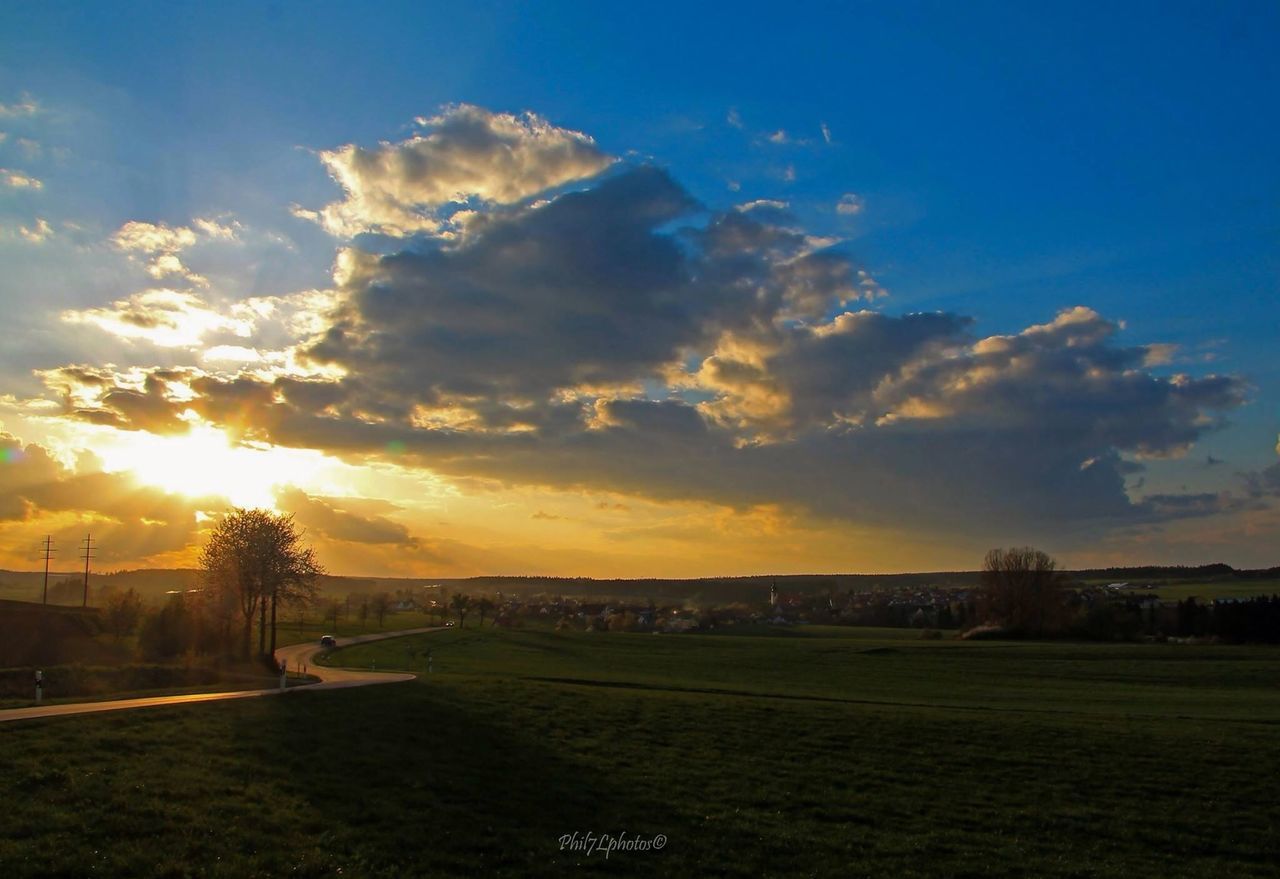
point(1129, 611)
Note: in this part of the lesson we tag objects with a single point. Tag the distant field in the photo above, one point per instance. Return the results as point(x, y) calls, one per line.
point(809, 751)
point(868, 665)
point(1207, 591)
point(290, 632)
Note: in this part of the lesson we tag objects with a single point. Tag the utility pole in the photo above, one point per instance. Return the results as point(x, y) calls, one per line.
point(88, 554)
point(48, 551)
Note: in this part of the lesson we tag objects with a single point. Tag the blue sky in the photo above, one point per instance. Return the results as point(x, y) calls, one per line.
point(1007, 161)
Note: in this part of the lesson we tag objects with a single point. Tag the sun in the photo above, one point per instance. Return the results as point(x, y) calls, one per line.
point(205, 463)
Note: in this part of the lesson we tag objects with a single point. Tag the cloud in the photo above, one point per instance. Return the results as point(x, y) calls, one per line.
point(31, 149)
point(792, 378)
point(214, 230)
point(763, 203)
point(150, 400)
point(259, 336)
point(19, 180)
point(137, 524)
point(1065, 376)
point(1161, 354)
point(129, 521)
point(1263, 483)
point(164, 317)
point(38, 232)
point(734, 118)
point(25, 106)
point(152, 237)
point(622, 338)
point(782, 137)
point(826, 133)
point(160, 244)
point(850, 204)
point(1005, 422)
point(336, 519)
point(464, 153)
point(586, 292)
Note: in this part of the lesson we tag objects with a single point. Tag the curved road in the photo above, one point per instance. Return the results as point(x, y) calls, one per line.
point(296, 655)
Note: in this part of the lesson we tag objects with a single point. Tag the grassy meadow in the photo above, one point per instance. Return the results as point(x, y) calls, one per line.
point(804, 751)
point(1208, 590)
point(291, 630)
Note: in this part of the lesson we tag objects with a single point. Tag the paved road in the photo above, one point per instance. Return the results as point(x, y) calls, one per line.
point(334, 678)
point(297, 655)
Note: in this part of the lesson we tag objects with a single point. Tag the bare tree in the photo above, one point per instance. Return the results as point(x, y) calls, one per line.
point(1021, 589)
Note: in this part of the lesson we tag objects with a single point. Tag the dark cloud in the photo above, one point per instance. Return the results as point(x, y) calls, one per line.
point(1066, 378)
point(796, 377)
point(621, 338)
point(1263, 483)
point(577, 297)
point(581, 291)
point(332, 518)
point(127, 402)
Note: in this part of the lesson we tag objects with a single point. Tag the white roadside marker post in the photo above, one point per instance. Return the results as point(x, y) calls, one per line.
point(39, 685)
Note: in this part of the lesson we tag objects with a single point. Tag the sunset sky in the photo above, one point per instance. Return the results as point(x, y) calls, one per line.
point(642, 290)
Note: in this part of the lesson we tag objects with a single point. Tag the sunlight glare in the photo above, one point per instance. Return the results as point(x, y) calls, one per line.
point(204, 463)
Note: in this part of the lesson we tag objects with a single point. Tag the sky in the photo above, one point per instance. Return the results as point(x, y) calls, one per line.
point(662, 290)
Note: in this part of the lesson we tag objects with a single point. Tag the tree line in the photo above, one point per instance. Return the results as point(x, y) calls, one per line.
point(1024, 594)
point(1254, 619)
point(253, 566)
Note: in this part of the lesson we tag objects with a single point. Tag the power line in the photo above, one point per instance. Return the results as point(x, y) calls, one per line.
point(48, 551)
point(87, 554)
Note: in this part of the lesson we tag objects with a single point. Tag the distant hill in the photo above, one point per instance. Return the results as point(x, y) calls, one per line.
point(31, 633)
point(154, 583)
point(1172, 573)
point(149, 582)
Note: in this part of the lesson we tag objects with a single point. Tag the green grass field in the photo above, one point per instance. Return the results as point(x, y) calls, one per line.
point(1208, 590)
point(809, 751)
point(289, 631)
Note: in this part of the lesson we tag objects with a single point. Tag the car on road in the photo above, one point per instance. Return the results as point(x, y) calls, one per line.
point(328, 641)
point(449, 625)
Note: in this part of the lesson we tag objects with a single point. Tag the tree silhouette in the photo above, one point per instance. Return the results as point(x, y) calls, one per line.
point(381, 604)
point(461, 604)
point(122, 612)
point(1021, 589)
point(257, 559)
